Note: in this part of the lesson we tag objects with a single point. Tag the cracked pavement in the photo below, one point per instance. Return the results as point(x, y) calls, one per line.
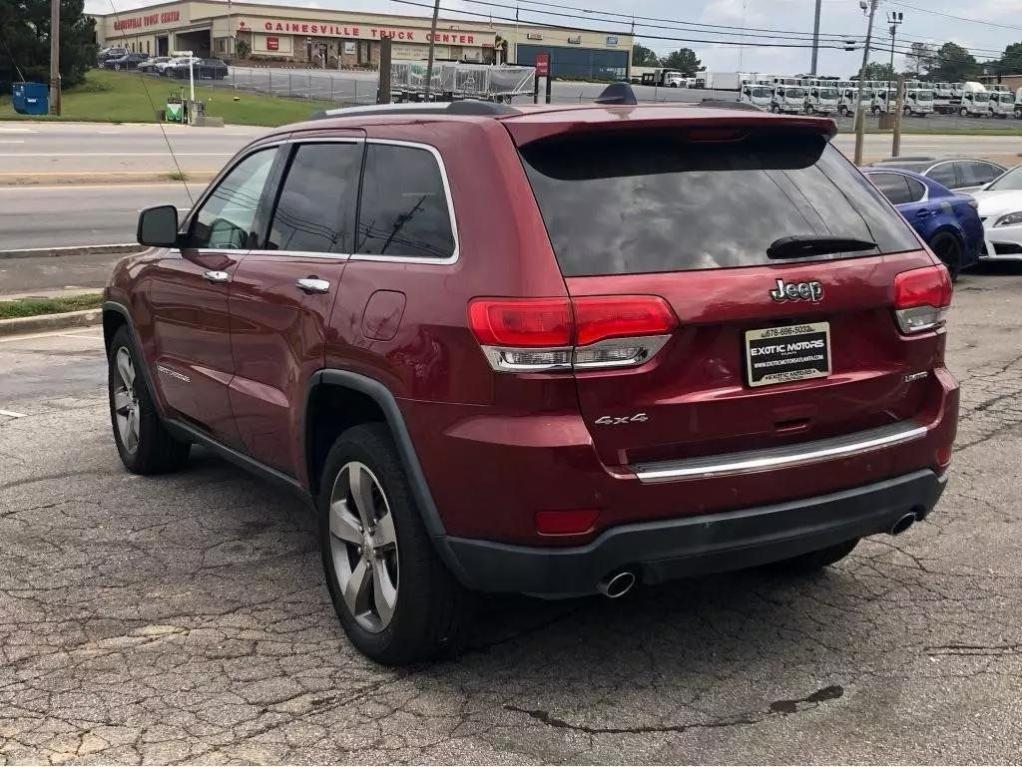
point(185, 619)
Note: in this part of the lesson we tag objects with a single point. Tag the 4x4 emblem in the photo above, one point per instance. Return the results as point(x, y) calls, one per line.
point(797, 291)
point(617, 420)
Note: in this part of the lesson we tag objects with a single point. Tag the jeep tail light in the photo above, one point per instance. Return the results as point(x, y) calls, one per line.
point(567, 522)
point(922, 298)
point(538, 335)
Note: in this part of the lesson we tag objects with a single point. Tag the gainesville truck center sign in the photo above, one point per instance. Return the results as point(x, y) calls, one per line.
point(365, 32)
point(148, 20)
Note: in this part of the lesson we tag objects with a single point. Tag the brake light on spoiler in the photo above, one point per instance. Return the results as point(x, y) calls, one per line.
point(584, 332)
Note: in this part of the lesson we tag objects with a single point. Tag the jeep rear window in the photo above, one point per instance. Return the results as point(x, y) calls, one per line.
point(627, 203)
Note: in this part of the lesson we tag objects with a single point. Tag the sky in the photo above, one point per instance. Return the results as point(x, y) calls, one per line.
point(985, 27)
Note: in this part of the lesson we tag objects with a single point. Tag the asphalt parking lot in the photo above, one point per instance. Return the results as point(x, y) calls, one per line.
point(185, 618)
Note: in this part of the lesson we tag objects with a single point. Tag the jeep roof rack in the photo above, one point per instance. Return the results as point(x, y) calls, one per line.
point(467, 107)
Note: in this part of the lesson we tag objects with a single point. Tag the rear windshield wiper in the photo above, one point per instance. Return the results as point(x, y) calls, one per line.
point(801, 245)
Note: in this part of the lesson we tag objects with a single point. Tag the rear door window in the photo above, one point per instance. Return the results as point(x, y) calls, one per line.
point(894, 186)
point(404, 209)
point(316, 208)
point(916, 189)
point(652, 202)
point(945, 174)
point(977, 173)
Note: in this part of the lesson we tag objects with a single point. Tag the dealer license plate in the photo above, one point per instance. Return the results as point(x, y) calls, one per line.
point(792, 353)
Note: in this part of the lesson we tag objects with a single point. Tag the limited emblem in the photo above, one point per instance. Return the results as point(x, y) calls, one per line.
point(617, 420)
point(797, 291)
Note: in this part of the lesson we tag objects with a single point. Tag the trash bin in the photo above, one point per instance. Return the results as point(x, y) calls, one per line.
point(31, 98)
point(887, 121)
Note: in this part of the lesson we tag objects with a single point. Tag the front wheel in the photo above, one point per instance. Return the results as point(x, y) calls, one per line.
point(948, 248)
point(813, 561)
point(843, 111)
point(963, 112)
point(143, 442)
point(395, 599)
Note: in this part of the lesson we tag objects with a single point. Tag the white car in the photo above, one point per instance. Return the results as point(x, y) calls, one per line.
point(1000, 208)
point(161, 68)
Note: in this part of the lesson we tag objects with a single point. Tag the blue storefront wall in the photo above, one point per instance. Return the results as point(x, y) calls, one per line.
point(595, 63)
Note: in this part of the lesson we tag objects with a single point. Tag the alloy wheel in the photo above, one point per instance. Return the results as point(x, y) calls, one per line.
point(126, 404)
point(363, 544)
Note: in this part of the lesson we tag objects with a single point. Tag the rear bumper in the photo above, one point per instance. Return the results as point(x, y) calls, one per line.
point(664, 550)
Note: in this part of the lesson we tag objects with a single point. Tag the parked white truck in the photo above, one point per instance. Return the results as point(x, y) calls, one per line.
point(1002, 103)
point(757, 95)
point(821, 99)
point(975, 100)
point(788, 98)
point(918, 101)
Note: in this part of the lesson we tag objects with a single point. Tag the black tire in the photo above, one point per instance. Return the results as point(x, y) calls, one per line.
point(814, 561)
point(432, 612)
point(963, 112)
point(774, 108)
point(907, 111)
point(843, 111)
point(948, 248)
point(156, 451)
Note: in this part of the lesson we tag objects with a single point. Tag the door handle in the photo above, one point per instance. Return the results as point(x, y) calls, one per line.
point(215, 276)
point(313, 285)
point(922, 213)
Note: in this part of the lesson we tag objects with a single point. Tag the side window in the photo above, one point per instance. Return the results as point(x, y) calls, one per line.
point(226, 218)
point(975, 173)
point(894, 186)
point(316, 209)
point(944, 174)
point(916, 189)
point(989, 172)
point(404, 208)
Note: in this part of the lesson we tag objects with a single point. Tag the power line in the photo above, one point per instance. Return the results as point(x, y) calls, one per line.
point(956, 18)
point(548, 25)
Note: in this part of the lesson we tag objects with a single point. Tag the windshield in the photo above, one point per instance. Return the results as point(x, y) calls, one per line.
point(828, 93)
point(924, 96)
point(649, 201)
point(761, 93)
point(980, 98)
point(795, 93)
point(1011, 181)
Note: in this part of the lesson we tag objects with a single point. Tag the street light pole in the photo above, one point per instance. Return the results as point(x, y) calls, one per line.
point(55, 57)
point(816, 39)
point(869, 6)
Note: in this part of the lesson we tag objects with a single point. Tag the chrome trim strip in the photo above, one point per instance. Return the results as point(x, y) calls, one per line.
point(299, 254)
point(784, 457)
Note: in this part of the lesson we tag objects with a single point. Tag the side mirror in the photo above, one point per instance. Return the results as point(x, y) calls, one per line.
point(157, 227)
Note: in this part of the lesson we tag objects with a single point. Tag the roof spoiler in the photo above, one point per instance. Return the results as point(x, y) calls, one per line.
point(618, 93)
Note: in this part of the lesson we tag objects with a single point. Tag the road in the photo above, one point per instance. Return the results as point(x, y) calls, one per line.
point(185, 617)
point(93, 150)
point(102, 214)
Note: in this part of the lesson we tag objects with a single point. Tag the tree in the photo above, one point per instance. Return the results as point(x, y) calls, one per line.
point(644, 57)
point(877, 71)
point(954, 64)
point(1011, 59)
point(684, 60)
point(920, 59)
point(25, 41)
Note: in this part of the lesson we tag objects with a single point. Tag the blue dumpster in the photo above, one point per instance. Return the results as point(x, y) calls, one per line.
point(31, 98)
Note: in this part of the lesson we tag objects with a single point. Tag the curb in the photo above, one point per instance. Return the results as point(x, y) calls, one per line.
point(71, 178)
point(72, 250)
point(19, 325)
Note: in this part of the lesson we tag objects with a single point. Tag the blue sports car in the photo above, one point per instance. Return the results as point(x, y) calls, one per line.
point(948, 221)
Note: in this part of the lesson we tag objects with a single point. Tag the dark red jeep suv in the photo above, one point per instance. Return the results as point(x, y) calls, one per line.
point(555, 351)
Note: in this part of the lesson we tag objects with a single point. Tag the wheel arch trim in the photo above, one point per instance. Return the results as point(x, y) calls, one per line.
point(119, 308)
point(385, 400)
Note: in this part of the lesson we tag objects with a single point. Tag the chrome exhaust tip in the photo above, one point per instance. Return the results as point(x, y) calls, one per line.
point(903, 524)
point(617, 585)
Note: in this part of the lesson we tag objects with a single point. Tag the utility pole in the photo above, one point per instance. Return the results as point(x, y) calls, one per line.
point(816, 39)
point(870, 7)
point(55, 57)
point(896, 140)
point(432, 44)
point(894, 18)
